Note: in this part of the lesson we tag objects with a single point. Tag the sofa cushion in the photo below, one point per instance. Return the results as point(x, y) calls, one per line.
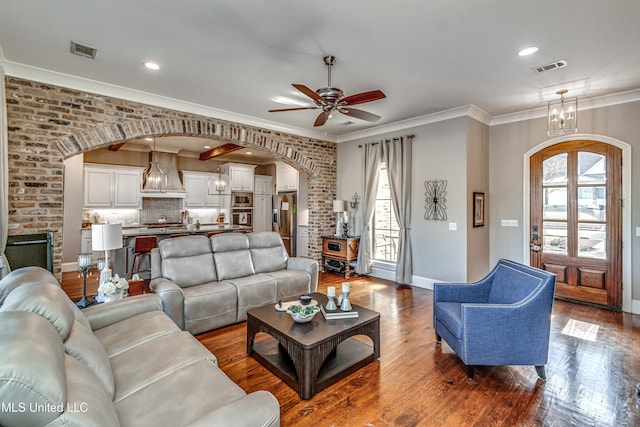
point(134, 331)
point(209, 306)
point(21, 276)
point(185, 398)
point(47, 300)
point(88, 403)
point(231, 255)
point(450, 314)
point(254, 291)
point(267, 252)
point(131, 375)
point(31, 368)
point(291, 282)
point(85, 347)
point(187, 261)
point(511, 285)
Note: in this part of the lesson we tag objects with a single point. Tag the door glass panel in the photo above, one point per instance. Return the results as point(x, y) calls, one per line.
point(555, 203)
point(554, 170)
point(592, 240)
point(592, 168)
point(554, 237)
point(592, 204)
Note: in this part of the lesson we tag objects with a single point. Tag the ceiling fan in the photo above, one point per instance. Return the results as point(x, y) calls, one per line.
point(331, 99)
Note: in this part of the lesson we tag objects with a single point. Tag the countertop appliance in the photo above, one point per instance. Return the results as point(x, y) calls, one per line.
point(285, 219)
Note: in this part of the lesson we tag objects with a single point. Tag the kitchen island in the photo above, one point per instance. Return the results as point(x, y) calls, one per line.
point(122, 258)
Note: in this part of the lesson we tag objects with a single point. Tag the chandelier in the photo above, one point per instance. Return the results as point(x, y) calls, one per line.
point(562, 115)
point(218, 182)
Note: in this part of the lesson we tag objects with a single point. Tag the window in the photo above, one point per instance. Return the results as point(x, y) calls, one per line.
point(385, 226)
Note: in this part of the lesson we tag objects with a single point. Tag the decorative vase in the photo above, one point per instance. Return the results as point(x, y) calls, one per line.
point(114, 297)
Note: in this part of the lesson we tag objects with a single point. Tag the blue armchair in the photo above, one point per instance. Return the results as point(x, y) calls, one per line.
point(504, 319)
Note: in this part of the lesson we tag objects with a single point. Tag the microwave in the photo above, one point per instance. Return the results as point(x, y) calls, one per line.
point(242, 200)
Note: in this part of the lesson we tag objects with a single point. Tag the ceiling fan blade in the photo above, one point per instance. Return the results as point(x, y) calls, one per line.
point(309, 93)
point(359, 114)
point(322, 118)
point(361, 98)
point(293, 109)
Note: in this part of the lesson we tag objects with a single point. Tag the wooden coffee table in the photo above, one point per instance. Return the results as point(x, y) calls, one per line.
point(311, 356)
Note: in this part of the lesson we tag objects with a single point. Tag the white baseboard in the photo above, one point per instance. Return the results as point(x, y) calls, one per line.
point(69, 266)
point(381, 272)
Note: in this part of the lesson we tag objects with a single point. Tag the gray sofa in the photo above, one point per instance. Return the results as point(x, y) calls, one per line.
point(122, 363)
point(206, 283)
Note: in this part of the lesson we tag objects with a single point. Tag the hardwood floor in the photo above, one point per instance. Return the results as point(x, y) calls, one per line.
point(417, 382)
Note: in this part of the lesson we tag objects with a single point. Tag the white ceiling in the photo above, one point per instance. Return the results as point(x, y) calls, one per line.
point(427, 56)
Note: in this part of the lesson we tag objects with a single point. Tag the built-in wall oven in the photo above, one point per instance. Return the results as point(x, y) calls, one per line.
point(242, 210)
point(242, 200)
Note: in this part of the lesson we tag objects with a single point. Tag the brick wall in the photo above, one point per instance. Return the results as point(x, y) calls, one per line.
point(47, 124)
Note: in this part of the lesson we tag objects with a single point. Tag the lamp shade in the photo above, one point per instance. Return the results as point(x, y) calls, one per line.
point(105, 237)
point(339, 205)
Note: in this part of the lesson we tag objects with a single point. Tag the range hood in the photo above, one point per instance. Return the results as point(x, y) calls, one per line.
point(168, 162)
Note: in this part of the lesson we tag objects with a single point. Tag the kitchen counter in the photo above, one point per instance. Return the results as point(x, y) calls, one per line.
point(161, 231)
point(122, 258)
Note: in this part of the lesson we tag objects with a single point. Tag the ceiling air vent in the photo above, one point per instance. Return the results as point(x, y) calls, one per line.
point(552, 66)
point(82, 50)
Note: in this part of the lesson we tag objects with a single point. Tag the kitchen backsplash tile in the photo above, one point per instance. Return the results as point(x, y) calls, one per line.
point(154, 209)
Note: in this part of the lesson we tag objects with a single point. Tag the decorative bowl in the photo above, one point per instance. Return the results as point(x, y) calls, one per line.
point(302, 313)
point(305, 299)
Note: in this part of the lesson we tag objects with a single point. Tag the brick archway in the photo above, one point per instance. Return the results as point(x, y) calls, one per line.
point(91, 139)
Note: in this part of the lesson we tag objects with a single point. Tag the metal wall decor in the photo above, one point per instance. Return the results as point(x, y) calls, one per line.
point(436, 200)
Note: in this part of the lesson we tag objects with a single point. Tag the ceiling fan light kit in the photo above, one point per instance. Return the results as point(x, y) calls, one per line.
point(330, 99)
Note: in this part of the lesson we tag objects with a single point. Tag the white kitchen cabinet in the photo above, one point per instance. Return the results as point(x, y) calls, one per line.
point(241, 176)
point(286, 177)
point(262, 203)
point(303, 241)
point(263, 185)
point(111, 187)
point(197, 191)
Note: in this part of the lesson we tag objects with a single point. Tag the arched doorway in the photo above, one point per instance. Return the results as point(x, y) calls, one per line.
point(576, 219)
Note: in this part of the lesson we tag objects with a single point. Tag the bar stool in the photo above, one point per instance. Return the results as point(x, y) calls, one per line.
point(143, 246)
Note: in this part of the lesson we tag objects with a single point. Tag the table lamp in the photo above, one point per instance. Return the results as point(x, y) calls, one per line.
point(105, 237)
point(339, 206)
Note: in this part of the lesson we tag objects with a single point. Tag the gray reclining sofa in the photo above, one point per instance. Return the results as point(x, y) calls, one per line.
point(206, 283)
point(122, 363)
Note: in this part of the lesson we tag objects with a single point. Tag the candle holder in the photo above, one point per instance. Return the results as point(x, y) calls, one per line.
point(331, 304)
point(345, 305)
point(84, 268)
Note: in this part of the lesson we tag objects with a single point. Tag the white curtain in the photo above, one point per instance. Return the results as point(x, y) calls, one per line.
point(4, 179)
point(371, 158)
point(396, 154)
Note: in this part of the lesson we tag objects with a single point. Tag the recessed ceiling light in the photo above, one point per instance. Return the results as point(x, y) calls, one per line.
point(528, 51)
point(149, 139)
point(249, 152)
point(151, 65)
point(207, 146)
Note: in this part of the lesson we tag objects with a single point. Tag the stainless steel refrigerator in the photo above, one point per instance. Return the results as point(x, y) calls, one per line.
point(285, 219)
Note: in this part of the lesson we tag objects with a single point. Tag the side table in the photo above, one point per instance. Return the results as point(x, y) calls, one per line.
point(136, 287)
point(338, 252)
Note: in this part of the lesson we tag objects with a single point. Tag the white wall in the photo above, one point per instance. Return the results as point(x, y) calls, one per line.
point(72, 215)
point(478, 181)
point(439, 152)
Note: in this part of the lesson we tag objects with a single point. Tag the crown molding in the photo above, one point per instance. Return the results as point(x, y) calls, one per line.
point(583, 104)
point(78, 83)
point(453, 113)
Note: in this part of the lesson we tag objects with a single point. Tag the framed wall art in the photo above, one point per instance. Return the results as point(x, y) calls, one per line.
point(478, 209)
